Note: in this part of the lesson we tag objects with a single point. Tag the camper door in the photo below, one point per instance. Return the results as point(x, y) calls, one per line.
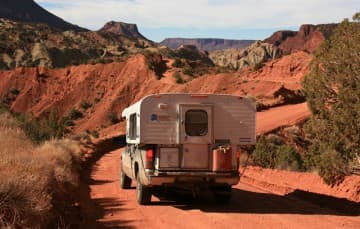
point(196, 134)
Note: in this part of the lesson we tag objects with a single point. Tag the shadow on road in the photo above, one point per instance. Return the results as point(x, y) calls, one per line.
point(297, 202)
point(242, 201)
point(94, 209)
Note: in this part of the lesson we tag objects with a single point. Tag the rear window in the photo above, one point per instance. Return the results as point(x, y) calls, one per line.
point(133, 127)
point(196, 123)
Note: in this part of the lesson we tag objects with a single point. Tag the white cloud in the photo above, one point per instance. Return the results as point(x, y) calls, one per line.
point(202, 13)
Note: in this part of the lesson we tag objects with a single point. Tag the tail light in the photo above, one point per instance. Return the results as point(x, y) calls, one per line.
point(149, 158)
point(238, 159)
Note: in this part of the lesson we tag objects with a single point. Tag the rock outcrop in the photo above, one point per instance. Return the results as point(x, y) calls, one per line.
point(121, 28)
point(192, 53)
point(253, 56)
point(38, 45)
point(208, 44)
point(30, 11)
point(308, 38)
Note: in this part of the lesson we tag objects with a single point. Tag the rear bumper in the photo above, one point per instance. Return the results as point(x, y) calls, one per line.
point(158, 178)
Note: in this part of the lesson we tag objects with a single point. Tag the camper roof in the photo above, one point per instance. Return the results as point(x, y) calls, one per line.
point(135, 108)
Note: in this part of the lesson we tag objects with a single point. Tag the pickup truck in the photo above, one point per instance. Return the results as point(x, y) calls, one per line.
point(187, 141)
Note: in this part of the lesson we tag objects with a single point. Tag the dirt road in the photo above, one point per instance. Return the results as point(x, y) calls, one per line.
point(280, 116)
point(250, 207)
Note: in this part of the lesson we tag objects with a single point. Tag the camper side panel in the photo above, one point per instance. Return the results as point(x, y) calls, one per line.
point(234, 120)
point(132, 115)
point(159, 121)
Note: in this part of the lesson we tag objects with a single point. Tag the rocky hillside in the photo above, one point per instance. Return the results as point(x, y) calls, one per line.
point(121, 28)
point(254, 56)
point(101, 90)
point(30, 11)
point(30, 45)
point(308, 38)
point(38, 45)
point(207, 44)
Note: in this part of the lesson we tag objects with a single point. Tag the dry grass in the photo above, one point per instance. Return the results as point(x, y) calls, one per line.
point(33, 179)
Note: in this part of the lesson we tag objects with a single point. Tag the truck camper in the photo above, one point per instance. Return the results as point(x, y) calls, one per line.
point(186, 140)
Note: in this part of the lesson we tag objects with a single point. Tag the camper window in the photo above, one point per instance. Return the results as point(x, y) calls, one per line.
point(132, 127)
point(196, 123)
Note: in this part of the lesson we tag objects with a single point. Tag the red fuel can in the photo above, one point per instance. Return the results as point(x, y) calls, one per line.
point(222, 159)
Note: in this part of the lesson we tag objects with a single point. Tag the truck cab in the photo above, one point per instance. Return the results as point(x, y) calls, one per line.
point(187, 141)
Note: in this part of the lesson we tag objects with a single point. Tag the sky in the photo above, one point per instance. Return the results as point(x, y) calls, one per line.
point(230, 19)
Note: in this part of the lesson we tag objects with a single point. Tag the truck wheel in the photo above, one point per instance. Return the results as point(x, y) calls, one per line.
point(222, 194)
point(125, 181)
point(143, 193)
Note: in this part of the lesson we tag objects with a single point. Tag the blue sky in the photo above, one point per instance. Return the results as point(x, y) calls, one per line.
point(232, 19)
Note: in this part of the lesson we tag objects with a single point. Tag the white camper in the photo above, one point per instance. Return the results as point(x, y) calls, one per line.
point(186, 140)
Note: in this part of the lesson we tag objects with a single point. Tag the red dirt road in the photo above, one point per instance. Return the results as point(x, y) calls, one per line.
point(281, 116)
point(252, 205)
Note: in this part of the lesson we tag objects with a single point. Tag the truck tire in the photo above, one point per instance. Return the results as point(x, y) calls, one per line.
point(125, 181)
point(222, 194)
point(143, 193)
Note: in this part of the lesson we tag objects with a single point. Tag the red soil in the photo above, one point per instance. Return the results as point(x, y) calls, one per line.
point(264, 198)
point(112, 87)
point(281, 116)
point(286, 181)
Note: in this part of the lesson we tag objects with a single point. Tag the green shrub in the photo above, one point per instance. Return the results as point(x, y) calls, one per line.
point(3, 108)
point(14, 91)
point(189, 52)
point(260, 106)
point(332, 167)
point(257, 66)
point(274, 139)
point(66, 121)
point(178, 63)
point(85, 105)
point(156, 63)
point(244, 158)
point(288, 158)
point(292, 131)
point(271, 152)
point(264, 153)
point(75, 114)
point(93, 133)
point(332, 89)
point(113, 118)
point(328, 163)
point(41, 129)
point(311, 158)
point(178, 78)
point(188, 71)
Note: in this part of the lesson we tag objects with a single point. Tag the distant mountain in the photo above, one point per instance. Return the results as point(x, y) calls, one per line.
point(208, 44)
point(308, 38)
point(121, 28)
point(30, 11)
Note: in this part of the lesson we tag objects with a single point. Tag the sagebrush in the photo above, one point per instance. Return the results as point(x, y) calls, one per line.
point(35, 180)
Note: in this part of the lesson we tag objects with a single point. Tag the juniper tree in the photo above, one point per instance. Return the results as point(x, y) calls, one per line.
point(332, 88)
